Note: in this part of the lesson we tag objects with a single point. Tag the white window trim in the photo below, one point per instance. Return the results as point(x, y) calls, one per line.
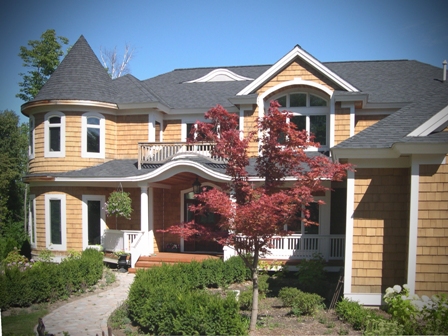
point(32, 221)
point(85, 218)
point(102, 127)
point(32, 143)
point(47, 151)
point(49, 245)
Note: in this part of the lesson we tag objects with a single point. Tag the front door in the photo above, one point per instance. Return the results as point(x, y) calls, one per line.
point(208, 220)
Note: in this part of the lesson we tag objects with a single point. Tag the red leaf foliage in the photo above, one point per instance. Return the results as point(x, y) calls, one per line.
point(251, 214)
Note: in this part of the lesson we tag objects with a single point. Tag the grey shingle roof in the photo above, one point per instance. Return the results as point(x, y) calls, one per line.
point(395, 128)
point(173, 89)
point(80, 76)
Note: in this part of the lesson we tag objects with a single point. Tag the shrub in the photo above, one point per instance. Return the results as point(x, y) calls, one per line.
point(169, 300)
point(311, 274)
point(355, 314)
point(301, 303)
point(20, 286)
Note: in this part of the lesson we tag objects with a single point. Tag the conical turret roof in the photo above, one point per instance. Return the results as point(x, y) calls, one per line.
point(80, 76)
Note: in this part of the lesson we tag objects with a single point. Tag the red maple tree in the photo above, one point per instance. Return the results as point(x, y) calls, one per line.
point(253, 213)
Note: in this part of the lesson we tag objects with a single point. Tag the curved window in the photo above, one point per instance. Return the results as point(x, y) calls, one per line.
point(31, 138)
point(54, 140)
point(310, 113)
point(93, 135)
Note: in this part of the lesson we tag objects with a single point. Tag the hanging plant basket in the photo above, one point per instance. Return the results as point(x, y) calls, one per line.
point(119, 204)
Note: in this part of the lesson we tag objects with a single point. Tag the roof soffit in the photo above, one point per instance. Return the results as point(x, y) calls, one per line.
point(295, 53)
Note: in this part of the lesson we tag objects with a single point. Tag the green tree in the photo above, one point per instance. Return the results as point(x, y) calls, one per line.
point(41, 58)
point(13, 165)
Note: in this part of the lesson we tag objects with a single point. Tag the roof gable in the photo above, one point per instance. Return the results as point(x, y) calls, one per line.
point(296, 52)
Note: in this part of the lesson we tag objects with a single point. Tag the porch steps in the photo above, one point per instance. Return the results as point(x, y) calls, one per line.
point(161, 258)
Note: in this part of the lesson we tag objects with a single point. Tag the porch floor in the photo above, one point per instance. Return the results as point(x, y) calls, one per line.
point(171, 258)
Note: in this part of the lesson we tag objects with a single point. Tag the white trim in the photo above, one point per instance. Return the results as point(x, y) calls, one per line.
point(32, 139)
point(152, 120)
point(366, 299)
point(61, 125)
point(220, 75)
point(85, 218)
point(49, 245)
point(413, 224)
point(151, 219)
point(431, 125)
point(101, 127)
point(32, 220)
point(351, 106)
point(331, 140)
point(285, 60)
point(348, 260)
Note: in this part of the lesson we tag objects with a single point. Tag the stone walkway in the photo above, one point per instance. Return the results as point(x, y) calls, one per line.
point(89, 315)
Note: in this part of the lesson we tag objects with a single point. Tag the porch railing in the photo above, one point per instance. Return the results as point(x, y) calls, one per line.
point(119, 240)
point(159, 152)
point(332, 247)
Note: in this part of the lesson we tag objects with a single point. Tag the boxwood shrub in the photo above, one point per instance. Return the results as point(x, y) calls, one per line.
point(48, 281)
point(171, 300)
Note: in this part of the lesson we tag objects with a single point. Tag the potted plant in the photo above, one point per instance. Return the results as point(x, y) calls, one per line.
point(172, 247)
point(123, 262)
point(119, 204)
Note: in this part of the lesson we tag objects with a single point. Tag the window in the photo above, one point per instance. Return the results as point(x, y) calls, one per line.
point(32, 221)
point(54, 140)
point(31, 137)
point(309, 113)
point(93, 220)
point(55, 223)
point(93, 135)
point(300, 227)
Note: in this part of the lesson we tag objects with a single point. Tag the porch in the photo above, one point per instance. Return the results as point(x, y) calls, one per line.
point(290, 249)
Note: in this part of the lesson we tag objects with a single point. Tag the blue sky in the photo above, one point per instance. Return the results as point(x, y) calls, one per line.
point(171, 34)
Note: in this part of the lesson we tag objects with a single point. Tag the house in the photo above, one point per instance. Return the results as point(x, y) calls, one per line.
point(387, 223)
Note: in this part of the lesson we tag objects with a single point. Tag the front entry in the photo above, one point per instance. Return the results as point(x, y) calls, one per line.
point(208, 220)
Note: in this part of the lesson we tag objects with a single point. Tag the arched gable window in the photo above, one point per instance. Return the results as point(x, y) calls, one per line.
point(310, 112)
point(93, 135)
point(54, 138)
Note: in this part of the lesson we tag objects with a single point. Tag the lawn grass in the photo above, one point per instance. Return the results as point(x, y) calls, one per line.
point(23, 323)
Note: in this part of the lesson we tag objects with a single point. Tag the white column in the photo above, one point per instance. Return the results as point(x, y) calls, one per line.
point(413, 225)
point(349, 233)
point(151, 219)
point(144, 208)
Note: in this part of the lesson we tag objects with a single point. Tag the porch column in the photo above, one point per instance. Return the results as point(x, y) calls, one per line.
point(413, 225)
point(348, 263)
point(144, 211)
point(150, 218)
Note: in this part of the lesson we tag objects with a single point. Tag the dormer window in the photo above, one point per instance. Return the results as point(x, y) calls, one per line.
point(301, 99)
point(54, 140)
point(310, 113)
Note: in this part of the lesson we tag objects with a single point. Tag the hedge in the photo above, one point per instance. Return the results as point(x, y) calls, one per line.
point(44, 281)
point(171, 300)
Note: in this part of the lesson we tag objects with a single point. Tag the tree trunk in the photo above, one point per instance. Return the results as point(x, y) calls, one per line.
point(254, 313)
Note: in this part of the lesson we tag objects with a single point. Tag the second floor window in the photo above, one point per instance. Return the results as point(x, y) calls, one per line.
point(93, 135)
point(310, 113)
point(54, 134)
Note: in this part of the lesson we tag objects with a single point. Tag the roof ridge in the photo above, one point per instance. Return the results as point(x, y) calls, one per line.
point(223, 67)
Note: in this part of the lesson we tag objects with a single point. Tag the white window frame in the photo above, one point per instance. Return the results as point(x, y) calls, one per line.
point(32, 220)
point(32, 140)
point(101, 127)
point(308, 111)
point(49, 245)
point(85, 218)
point(47, 151)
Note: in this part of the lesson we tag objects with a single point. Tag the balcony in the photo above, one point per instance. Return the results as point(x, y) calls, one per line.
point(160, 152)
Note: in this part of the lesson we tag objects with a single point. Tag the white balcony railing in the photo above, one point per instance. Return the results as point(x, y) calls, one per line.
point(158, 152)
point(298, 246)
